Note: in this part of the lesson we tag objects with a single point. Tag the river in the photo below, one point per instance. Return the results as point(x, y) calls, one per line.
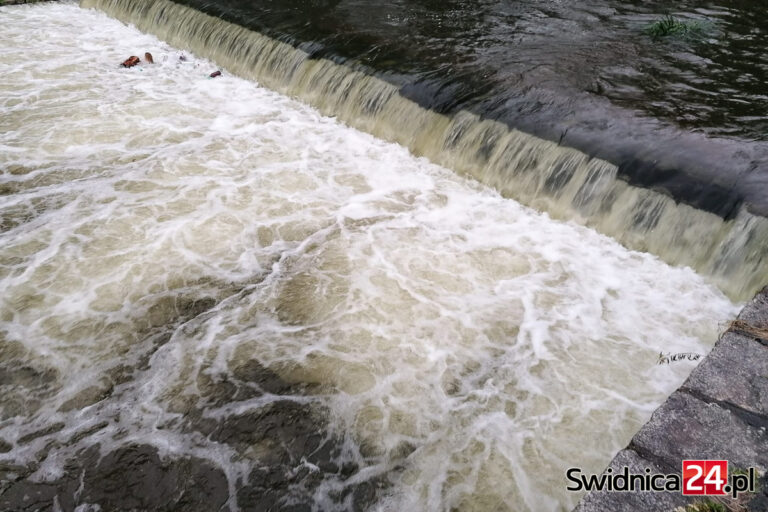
point(210, 274)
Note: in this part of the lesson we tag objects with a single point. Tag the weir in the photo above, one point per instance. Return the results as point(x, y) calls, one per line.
point(564, 182)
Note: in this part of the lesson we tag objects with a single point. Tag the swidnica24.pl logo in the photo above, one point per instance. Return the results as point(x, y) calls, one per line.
point(699, 478)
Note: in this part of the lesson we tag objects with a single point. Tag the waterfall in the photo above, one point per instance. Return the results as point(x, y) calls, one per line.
point(564, 182)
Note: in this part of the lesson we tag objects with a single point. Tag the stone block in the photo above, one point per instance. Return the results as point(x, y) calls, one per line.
point(685, 427)
point(736, 371)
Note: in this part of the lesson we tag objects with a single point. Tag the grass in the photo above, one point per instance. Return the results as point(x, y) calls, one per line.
point(743, 327)
point(669, 26)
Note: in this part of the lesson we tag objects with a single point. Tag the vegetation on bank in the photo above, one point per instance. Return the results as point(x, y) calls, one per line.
point(669, 26)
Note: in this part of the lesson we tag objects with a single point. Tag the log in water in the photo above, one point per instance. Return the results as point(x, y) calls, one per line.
point(212, 295)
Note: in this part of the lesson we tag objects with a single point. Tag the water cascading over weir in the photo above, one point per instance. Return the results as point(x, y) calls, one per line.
point(725, 243)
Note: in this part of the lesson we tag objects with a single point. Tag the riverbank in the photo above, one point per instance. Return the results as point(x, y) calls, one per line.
point(720, 412)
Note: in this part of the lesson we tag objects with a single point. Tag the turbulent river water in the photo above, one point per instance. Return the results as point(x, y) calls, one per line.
point(213, 281)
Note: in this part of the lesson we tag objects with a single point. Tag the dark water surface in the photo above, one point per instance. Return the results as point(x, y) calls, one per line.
point(689, 116)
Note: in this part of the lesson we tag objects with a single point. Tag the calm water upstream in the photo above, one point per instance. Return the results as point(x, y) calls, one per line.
point(211, 295)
